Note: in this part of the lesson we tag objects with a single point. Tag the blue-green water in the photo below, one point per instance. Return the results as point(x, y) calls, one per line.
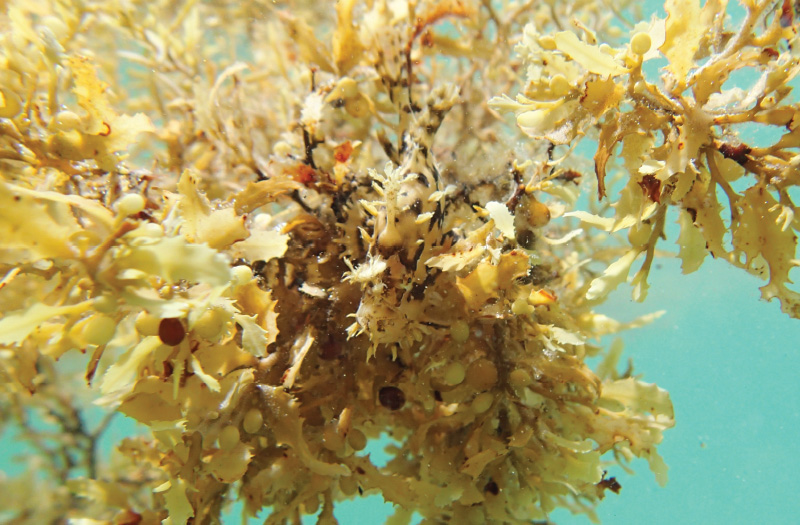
point(730, 363)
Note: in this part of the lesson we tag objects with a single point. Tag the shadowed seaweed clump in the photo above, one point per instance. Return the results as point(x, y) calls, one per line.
point(272, 243)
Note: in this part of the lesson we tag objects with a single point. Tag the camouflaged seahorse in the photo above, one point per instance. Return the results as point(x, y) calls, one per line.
point(409, 219)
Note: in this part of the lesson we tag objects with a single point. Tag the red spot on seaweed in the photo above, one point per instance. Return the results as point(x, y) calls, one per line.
point(609, 484)
point(427, 39)
point(171, 331)
point(651, 187)
point(343, 151)
point(303, 174)
point(737, 153)
point(570, 176)
point(786, 14)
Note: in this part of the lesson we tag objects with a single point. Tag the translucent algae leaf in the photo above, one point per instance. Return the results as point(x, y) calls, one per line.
point(299, 352)
point(41, 230)
point(288, 428)
point(251, 298)
point(565, 336)
point(178, 505)
point(488, 280)
point(254, 337)
point(615, 274)
point(637, 396)
point(503, 218)
point(107, 131)
point(687, 24)
point(588, 56)
point(604, 223)
point(91, 93)
point(15, 328)
point(229, 466)
point(466, 252)
point(171, 259)
point(692, 245)
point(100, 491)
point(152, 407)
point(123, 373)
point(262, 245)
point(761, 234)
point(204, 224)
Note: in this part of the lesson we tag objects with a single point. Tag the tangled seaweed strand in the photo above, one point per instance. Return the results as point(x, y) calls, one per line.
point(271, 243)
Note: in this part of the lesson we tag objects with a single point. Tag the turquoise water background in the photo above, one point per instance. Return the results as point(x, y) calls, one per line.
point(730, 363)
